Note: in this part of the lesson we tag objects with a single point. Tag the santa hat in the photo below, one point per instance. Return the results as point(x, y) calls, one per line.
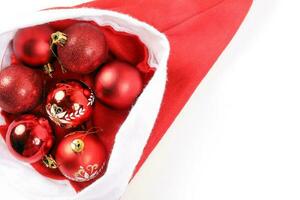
point(183, 40)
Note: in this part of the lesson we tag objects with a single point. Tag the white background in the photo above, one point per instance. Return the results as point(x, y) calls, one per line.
point(239, 135)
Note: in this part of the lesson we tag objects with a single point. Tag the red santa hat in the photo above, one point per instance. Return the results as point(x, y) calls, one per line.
point(182, 39)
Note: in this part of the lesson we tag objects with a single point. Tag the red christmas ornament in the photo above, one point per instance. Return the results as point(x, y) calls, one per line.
point(32, 45)
point(70, 104)
point(81, 156)
point(81, 48)
point(20, 89)
point(29, 138)
point(118, 85)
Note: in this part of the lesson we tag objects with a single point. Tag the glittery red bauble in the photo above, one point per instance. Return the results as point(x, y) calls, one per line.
point(85, 49)
point(70, 104)
point(20, 89)
point(29, 138)
point(32, 45)
point(80, 156)
point(118, 85)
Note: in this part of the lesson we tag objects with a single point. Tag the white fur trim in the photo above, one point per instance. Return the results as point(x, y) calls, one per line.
point(131, 137)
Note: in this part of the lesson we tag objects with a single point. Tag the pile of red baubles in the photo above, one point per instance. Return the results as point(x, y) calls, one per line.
point(42, 104)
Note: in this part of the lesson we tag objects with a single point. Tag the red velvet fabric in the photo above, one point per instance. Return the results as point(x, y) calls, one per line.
point(198, 31)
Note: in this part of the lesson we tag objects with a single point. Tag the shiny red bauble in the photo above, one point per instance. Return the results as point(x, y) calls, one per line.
point(29, 138)
point(20, 89)
point(85, 48)
point(81, 156)
point(32, 45)
point(118, 85)
point(70, 104)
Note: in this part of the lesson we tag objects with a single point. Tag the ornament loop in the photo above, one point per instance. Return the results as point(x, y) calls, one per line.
point(48, 69)
point(49, 162)
point(77, 145)
point(94, 130)
point(59, 38)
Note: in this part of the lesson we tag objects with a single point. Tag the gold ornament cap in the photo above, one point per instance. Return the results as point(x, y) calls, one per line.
point(77, 145)
point(49, 162)
point(59, 38)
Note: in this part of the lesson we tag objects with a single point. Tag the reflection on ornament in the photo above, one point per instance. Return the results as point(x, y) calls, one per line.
point(77, 145)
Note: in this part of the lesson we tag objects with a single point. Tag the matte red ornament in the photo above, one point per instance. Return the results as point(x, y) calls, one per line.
point(84, 49)
point(29, 138)
point(70, 104)
point(20, 89)
point(32, 45)
point(118, 85)
point(81, 156)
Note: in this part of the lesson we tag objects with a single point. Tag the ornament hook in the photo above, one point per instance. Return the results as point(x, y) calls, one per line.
point(49, 162)
point(77, 145)
point(48, 69)
point(58, 38)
